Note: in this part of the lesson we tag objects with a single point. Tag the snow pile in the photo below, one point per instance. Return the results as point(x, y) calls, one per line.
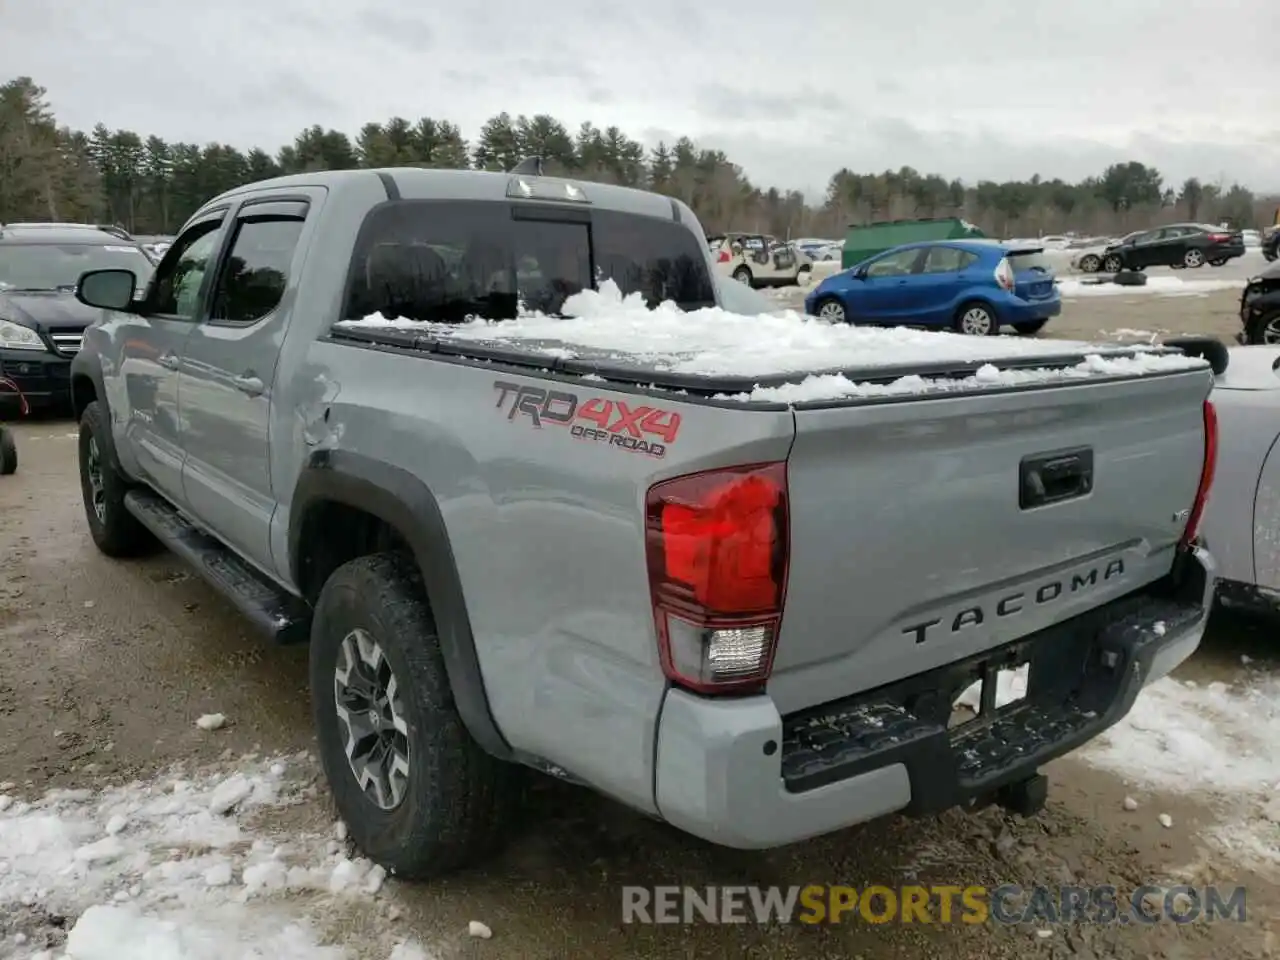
point(837, 386)
point(1215, 740)
point(1073, 288)
point(716, 342)
point(167, 870)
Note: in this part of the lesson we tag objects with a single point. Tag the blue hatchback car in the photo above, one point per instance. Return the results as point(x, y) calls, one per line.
point(970, 286)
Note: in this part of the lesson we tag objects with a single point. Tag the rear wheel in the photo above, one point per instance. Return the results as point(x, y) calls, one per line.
point(742, 275)
point(832, 310)
point(976, 320)
point(1030, 327)
point(1263, 329)
point(1193, 258)
point(1112, 264)
point(418, 794)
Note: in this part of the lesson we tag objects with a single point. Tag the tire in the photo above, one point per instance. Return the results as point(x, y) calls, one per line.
point(1090, 263)
point(1218, 262)
point(742, 275)
point(451, 806)
point(1112, 264)
point(115, 531)
point(803, 276)
point(8, 453)
point(831, 310)
point(1030, 328)
point(1130, 278)
point(1193, 258)
point(969, 320)
point(1263, 329)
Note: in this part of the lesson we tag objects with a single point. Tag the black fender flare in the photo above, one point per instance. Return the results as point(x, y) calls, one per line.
point(403, 501)
point(87, 365)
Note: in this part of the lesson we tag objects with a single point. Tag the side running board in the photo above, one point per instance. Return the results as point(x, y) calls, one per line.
point(283, 617)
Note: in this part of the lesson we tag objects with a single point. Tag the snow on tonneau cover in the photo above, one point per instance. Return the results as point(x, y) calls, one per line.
point(922, 531)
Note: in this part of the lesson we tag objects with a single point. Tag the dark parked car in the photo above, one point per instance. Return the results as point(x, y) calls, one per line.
point(1271, 243)
point(1260, 308)
point(41, 322)
point(1175, 245)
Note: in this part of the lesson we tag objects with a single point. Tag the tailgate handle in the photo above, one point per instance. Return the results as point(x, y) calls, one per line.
point(1054, 477)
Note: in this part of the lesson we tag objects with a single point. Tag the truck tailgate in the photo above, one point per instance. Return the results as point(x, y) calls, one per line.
point(916, 538)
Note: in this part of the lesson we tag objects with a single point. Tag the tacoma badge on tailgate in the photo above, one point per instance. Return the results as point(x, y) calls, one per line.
point(1014, 602)
point(635, 429)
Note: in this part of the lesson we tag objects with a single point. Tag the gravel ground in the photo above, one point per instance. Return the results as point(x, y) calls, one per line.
point(104, 667)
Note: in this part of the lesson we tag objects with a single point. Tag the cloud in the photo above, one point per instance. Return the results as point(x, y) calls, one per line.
point(983, 90)
point(409, 32)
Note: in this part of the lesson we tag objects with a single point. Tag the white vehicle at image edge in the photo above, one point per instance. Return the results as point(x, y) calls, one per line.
point(1242, 518)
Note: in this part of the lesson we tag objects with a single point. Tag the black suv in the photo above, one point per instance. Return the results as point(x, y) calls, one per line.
point(1175, 245)
point(1271, 243)
point(1260, 308)
point(41, 322)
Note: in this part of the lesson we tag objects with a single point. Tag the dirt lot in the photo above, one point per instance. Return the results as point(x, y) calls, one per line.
point(104, 666)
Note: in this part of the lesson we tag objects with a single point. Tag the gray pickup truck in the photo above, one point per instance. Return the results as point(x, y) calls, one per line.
point(749, 617)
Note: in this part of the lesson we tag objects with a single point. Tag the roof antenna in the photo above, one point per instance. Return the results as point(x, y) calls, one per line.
point(528, 167)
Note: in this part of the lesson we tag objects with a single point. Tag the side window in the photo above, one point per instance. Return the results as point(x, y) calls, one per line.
point(948, 260)
point(894, 265)
point(253, 279)
point(175, 287)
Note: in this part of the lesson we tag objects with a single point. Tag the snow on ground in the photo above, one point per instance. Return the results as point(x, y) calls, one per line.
point(1072, 288)
point(1217, 741)
point(716, 342)
point(173, 869)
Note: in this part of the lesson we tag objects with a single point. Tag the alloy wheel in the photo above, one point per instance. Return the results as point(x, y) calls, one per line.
point(367, 699)
point(976, 321)
point(97, 485)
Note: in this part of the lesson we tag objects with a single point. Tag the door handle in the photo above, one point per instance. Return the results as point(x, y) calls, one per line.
point(253, 386)
point(169, 361)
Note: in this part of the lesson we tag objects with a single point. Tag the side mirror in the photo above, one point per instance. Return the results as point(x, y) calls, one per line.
point(860, 273)
point(107, 289)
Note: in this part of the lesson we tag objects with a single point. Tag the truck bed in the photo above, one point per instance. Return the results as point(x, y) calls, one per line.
point(767, 359)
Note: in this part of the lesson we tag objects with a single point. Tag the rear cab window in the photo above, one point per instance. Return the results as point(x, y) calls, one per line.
point(448, 261)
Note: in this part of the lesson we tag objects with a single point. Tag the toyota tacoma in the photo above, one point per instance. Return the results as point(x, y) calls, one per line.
point(736, 583)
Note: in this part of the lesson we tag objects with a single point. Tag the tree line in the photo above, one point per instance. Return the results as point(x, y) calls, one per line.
point(148, 185)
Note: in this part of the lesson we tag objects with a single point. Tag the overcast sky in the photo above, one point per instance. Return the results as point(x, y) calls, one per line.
point(982, 89)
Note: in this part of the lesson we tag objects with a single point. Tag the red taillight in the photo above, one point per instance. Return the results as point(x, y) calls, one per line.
point(723, 257)
point(1207, 471)
point(717, 552)
point(1219, 237)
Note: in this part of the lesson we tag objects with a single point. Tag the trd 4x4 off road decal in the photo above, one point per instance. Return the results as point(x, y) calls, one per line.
point(635, 429)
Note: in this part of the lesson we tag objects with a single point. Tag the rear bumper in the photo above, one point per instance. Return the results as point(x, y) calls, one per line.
point(737, 773)
point(1016, 310)
point(45, 379)
point(1224, 253)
